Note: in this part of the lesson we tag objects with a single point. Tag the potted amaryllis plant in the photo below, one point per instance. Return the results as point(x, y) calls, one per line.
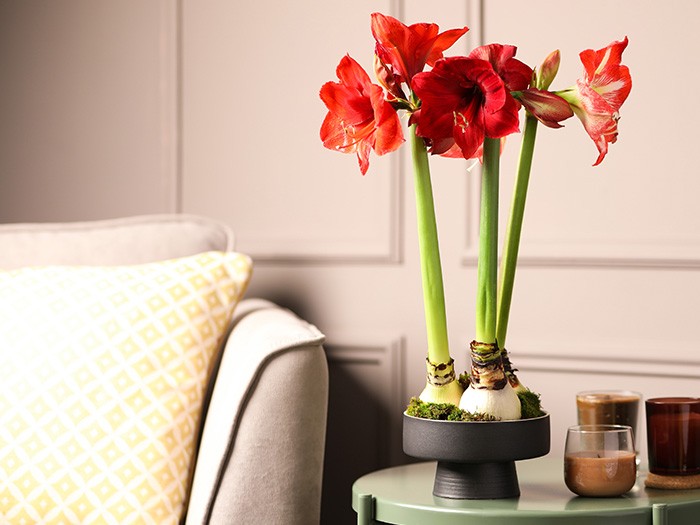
point(465, 107)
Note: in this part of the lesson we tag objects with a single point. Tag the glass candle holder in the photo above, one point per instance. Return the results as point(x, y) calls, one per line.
point(609, 407)
point(673, 435)
point(599, 460)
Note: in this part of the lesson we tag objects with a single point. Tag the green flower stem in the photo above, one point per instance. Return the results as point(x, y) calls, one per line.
point(431, 269)
point(487, 267)
point(509, 259)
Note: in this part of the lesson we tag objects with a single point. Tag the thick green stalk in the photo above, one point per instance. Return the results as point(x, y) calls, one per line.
point(509, 259)
point(431, 269)
point(487, 267)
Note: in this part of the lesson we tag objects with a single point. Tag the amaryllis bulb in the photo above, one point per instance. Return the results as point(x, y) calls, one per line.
point(503, 404)
point(449, 393)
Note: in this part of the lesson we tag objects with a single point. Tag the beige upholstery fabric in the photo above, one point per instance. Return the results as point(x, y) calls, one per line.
point(253, 463)
point(132, 240)
point(262, 450)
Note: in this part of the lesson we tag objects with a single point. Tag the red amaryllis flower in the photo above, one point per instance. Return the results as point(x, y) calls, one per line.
point(463, 101)
point(597, 97)
point(606, 75)
point(359, 119)
point(405, 50)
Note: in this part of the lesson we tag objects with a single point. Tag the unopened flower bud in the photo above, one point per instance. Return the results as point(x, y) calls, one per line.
point(544, 75)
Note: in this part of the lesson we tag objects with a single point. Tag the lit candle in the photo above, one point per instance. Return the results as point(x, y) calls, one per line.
point(600, 473)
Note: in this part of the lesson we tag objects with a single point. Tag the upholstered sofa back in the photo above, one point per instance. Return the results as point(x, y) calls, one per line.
point(261, 452)
point(132, 240)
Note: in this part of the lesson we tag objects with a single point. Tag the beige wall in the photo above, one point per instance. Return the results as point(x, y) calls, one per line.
point(88, 108)
point(211, 107)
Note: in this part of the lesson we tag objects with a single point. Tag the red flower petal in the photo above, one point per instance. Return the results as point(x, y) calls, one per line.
point(597, 97)
point(359, 119)
point(599, 119)
point(351, 74)
point(605, 73)
point(469, 130)
point(504, 121)
point(333, 133)
point(388, 135)
point(515, 74)
point(463, 100)
point(407, 49)
point(442, 42)
point(348, 103)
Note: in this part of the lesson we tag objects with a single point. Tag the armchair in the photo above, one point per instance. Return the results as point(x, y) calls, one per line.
point(261, 441)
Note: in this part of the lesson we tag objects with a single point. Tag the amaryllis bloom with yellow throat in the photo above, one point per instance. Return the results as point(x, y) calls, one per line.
point(464, 106)
point(359, 118)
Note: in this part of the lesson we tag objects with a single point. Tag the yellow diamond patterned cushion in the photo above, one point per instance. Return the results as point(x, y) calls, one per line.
point(103, 371)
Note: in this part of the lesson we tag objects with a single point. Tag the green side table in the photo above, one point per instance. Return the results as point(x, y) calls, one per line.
point(403, 496)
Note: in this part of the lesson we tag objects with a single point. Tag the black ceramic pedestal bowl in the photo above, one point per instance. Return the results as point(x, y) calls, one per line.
point(476, 459)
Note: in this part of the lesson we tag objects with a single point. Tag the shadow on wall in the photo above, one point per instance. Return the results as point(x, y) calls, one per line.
point(362, 432)
point(355, 442)
point(282, 288)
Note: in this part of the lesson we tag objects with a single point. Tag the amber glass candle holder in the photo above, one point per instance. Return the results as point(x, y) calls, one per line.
point(599, 460)
point(673, 435)
point(609, 407)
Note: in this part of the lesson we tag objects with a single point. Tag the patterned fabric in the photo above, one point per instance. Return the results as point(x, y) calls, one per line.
point(103, 371)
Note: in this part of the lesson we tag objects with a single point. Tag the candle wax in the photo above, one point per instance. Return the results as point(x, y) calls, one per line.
point(600, 473)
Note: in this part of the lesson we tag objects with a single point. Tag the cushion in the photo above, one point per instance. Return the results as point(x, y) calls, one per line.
point(103, 373)
point(127, 240)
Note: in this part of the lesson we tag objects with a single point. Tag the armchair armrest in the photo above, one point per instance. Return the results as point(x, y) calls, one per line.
point(261, 452)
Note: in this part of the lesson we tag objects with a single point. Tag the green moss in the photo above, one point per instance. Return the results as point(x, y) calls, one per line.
point(443, 411)
point(530, 404)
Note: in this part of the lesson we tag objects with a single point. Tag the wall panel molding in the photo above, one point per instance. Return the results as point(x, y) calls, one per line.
point(306, 251)
point(378, 368)
point(676, 254)
point(252, 155)
point(578, 364)
point(600, 260)
point(684, 255)
point(386, 355)
point(366, 381)
point(669, 240)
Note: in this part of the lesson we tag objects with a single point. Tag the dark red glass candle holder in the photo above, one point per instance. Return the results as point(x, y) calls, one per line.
point(673, 435)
